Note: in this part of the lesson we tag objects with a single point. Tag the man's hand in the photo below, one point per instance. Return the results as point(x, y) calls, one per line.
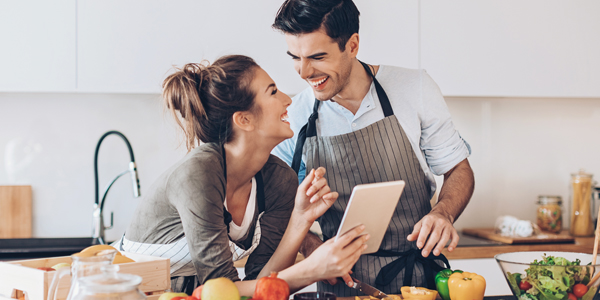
point(434, 230)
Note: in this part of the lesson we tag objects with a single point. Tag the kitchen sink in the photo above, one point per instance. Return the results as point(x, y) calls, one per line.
point(42, 247)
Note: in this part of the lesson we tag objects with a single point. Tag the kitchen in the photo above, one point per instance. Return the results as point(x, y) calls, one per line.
point(520, 80)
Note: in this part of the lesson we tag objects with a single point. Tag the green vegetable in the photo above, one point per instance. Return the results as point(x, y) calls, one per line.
point(441, 282)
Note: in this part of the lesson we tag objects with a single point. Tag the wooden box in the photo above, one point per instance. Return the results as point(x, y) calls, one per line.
point(21, 279)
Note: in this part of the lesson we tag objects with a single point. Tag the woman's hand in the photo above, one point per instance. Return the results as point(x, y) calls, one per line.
point(314, 196)
point(336, 258)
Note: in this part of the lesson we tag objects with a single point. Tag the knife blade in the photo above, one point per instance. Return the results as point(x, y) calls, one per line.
point(368, 289)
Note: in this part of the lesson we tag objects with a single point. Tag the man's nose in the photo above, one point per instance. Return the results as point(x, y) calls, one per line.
point(305, 70)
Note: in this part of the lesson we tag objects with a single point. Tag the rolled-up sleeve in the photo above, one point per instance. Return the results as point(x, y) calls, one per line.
point(197, 191)
point(442, 145)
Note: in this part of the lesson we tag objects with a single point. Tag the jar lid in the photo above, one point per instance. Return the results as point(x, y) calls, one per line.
point(110, 281)
point(582, 173)
point(546, 199)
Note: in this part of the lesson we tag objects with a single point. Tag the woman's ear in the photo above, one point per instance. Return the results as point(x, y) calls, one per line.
point(243, 120)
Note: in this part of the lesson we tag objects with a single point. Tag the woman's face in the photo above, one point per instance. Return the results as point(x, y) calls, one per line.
point(271, 108)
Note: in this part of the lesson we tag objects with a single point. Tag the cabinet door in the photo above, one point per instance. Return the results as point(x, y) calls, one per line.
point(130, 46)
point(512, 48)
point(38, 46)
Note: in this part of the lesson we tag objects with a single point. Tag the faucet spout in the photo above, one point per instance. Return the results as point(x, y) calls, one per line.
point(98, 218)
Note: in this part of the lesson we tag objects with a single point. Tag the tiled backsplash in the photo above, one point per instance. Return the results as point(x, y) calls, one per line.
point(522, 148)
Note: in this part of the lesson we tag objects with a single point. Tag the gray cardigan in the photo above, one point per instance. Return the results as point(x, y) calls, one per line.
point(187, 200)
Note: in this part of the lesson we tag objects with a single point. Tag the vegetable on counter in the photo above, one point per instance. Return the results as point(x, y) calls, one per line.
point(418, 293)
point(552, 278)
point(466, 286)
point(441, 282)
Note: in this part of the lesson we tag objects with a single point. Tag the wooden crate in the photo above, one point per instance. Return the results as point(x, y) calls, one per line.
point(22, 277)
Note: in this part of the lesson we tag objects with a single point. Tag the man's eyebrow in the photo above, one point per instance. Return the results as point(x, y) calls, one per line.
point(270, 85)
point(317, 55)
point(313, 56)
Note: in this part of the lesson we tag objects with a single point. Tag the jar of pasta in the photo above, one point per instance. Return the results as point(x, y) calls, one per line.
point(581, 204)
point(549, 213)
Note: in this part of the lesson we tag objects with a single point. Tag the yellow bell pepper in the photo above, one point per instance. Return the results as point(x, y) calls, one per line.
point(466, 286)
point(417, 293)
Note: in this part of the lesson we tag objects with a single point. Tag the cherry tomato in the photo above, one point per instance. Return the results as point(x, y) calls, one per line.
point(524, 285)
point(579, 290)
point(571, 296)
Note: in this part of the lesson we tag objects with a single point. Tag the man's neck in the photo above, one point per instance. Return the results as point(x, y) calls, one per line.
point(357, 87)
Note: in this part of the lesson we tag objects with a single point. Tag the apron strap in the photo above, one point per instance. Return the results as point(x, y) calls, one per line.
point(308, 130)
point(383, 98)
point(406, 261)
point(260, 192)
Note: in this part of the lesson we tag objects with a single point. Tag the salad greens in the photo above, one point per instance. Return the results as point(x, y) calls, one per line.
point(551, 278)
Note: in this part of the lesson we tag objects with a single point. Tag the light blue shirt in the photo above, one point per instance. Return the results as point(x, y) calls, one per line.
point(418, 105)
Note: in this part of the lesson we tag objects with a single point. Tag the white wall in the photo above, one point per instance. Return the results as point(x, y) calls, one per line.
point(522, 148)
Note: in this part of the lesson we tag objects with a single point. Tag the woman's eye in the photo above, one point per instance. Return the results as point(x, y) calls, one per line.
point(274, 92)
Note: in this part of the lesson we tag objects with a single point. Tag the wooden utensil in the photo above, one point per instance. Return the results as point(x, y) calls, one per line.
point(595, 252)
point(15, 211)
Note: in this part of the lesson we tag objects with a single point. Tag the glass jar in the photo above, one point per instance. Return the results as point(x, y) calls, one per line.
point(110, 285)
point(581, 204)
point(549, 213)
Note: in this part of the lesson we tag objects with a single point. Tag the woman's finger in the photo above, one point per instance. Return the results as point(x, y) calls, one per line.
point(306, 183)
point(349, 236)
point(316, 186)
point(322, 192)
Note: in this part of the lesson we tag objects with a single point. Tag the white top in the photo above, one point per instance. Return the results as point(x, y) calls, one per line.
point(236, 232)
point(418, 105)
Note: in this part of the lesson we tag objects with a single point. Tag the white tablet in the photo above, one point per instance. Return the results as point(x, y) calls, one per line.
point(372, 205)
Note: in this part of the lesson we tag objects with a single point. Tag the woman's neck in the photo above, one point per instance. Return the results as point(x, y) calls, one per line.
point(244, 160)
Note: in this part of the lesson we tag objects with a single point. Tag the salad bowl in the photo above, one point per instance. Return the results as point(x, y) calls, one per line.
point(549, 275)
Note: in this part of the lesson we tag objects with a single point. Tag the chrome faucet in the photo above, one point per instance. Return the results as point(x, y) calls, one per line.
point(98, 225)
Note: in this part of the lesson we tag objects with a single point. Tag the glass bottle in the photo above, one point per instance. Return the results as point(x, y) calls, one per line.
point(581, 204)
point(549, 213)
point(110, 285)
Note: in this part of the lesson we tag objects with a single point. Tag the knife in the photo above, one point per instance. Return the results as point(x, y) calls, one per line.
point(367, 289)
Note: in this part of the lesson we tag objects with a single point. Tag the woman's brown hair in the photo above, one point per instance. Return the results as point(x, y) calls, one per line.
point(207, 95)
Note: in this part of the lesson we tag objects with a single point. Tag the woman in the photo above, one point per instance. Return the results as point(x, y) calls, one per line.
point(229, 198)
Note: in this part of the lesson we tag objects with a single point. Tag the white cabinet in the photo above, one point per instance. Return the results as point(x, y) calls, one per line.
point(496, 284)
point(131, 46)
point(536, 48)
point(38, 46)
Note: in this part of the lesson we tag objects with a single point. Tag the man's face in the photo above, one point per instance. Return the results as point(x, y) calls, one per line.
point(319, 61)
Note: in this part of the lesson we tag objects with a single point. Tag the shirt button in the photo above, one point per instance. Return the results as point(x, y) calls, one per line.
point(353, 124)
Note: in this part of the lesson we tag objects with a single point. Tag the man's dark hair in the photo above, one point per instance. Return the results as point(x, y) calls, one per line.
point(339, 18)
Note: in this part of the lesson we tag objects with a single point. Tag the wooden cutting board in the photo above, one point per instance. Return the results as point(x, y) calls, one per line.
point(15, 211)
point(543, 238)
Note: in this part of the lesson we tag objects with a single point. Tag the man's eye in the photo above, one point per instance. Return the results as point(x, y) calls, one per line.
point(318, 58)
point(274, 92)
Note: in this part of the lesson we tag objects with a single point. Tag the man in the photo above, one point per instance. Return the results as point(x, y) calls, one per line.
point(369, 124)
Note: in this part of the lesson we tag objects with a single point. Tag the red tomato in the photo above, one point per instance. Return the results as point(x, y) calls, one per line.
point(198, 293)
point(579, 290)
point(571, 296)
point(524, 285)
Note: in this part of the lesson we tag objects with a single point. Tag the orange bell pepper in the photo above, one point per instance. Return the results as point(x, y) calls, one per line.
point(466, 286)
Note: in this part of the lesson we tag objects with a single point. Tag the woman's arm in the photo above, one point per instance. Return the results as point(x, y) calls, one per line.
point(330, 260)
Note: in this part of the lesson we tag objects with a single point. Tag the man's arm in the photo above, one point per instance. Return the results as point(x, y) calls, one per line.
point(309, 244)
point(454, 196)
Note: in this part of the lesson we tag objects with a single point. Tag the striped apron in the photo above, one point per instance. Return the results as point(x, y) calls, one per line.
point(183, 273)
point(379, 152)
